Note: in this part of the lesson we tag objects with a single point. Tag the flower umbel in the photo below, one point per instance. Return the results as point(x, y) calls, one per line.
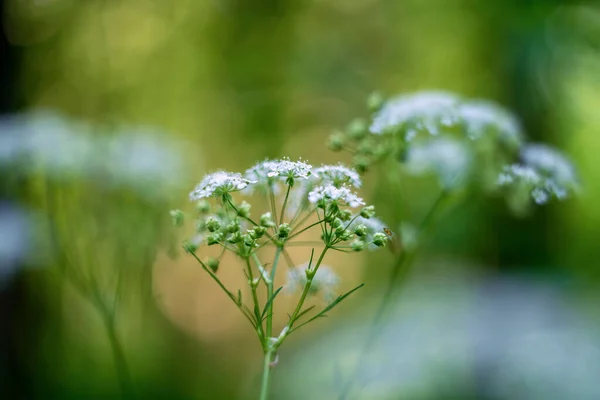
point(218, 184)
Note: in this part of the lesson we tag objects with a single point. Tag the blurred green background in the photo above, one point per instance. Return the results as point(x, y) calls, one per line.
point(238, 81)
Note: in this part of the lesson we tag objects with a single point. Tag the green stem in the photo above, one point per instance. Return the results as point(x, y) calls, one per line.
point(270, 292)
point(259, 328)
point(264, 387)
point(287, 194)
point(306, 289)
point(308, 227)
point(122, 369)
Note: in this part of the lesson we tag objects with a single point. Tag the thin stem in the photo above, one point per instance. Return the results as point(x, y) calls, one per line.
point(259, 328)
point(272, 202)
point(308, 227)
point(239, 305)
point(307, 216)
point(238, 213)
point(121, 366)
point(306, 289)
point(264, 388)
point(270, 292)
point(287, 195)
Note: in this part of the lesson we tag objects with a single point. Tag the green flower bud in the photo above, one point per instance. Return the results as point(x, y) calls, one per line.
point(233, 226)
point(366, 148)
point(284, 230)
point(260, 231)
point(345, 235)
point(213, 224)
point(266, 220)
point(243, 209)
point(361, 164)
point(203, 207)
point(380, 239)
point(357, 129)
point(190, 247)
point(215, 238)
point(375, 101)
point(367, 212)
point(213, 264)
point(235, 237)
point(357, 245)
point(249, 240)
point(177, 216)
point(345, 215)
point(336, 141)
point(336, 223)
point(361, 230)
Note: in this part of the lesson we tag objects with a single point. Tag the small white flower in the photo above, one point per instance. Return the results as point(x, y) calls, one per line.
point(260, 173)
point(219, 183)
point(545, 173)
point(481, 117)
point(449, 159)
point(330, 193)
point(324, 282)
point(338, 175)
point(425, 111)
point(289, 169)
point(550, 163)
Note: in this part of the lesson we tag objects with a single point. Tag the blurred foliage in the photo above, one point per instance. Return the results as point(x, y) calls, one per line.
point(239, 81)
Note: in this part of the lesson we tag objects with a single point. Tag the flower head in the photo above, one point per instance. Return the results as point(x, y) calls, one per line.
point(218, 184)
point(544, 174)
point(481, 118)
point(330, 194)
point(449, 159)
point(424, 111)
point(338, 175)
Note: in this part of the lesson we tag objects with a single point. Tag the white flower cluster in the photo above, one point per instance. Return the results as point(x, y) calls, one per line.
point(218, 184)
point(427, 111)
point(331, 194)
point(135, 157)
point(338, 175)
point(289, 169)
point(323, 284)
point(482, 117)
point(449, 159)
point(544, 174)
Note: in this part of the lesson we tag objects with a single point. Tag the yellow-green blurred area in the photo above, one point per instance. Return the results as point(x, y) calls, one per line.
point(166, 91)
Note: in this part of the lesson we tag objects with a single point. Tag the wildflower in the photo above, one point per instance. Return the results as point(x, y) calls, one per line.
point(323, 283)
point(219, 184)
point(544, 174)
point(290, 170)
point(266, 220)
point(212, 224)
point(380, 239)
point(424, 111)
point(449, 159)
point(338, 175)
point(481, 118)
point(366, 228)
point(323, 195)
point(367, 212)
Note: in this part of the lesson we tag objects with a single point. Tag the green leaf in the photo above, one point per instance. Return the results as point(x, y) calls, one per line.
point(304, 312)
point(269, 302)
point(322, 313)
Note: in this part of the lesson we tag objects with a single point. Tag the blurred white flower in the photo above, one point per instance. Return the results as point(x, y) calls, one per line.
point(425, 111)
point(544, 174)
point(449, 159)
point(482, 118)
